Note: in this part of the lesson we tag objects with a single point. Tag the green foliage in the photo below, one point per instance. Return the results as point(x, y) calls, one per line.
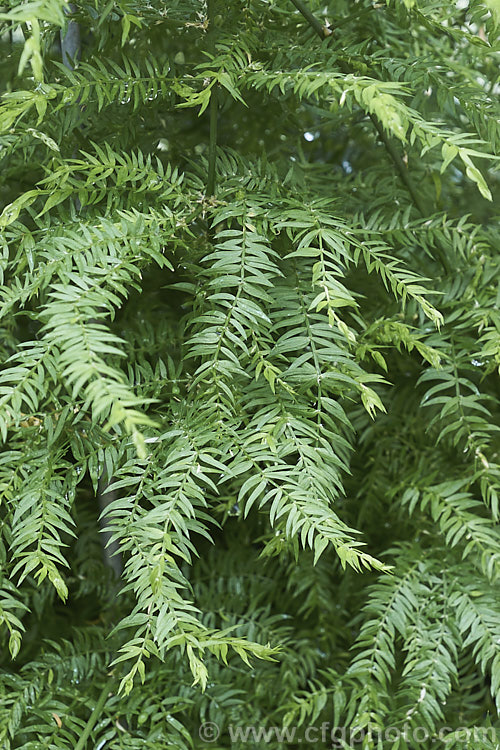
point(279, 402)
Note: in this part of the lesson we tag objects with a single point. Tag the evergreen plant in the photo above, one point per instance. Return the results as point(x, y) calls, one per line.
point(250, 338)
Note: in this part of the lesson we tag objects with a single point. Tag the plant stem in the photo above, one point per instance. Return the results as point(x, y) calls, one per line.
point(101, 701)
point(214, 106)
point(398, 163)
point(323, 32)
point(318, 27)
point(212, 144)
point(391, 150)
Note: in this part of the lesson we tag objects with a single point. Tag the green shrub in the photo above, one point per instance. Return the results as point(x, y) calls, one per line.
point(250, 338)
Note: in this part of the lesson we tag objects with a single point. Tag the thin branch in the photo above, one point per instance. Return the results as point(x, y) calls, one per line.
point(323, 32)
point(319, 28)
point(212, 144)
point(101, 702)
point(399, 164)
point(214, 106)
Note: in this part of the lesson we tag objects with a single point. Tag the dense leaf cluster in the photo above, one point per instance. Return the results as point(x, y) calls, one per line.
point(250, 335)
